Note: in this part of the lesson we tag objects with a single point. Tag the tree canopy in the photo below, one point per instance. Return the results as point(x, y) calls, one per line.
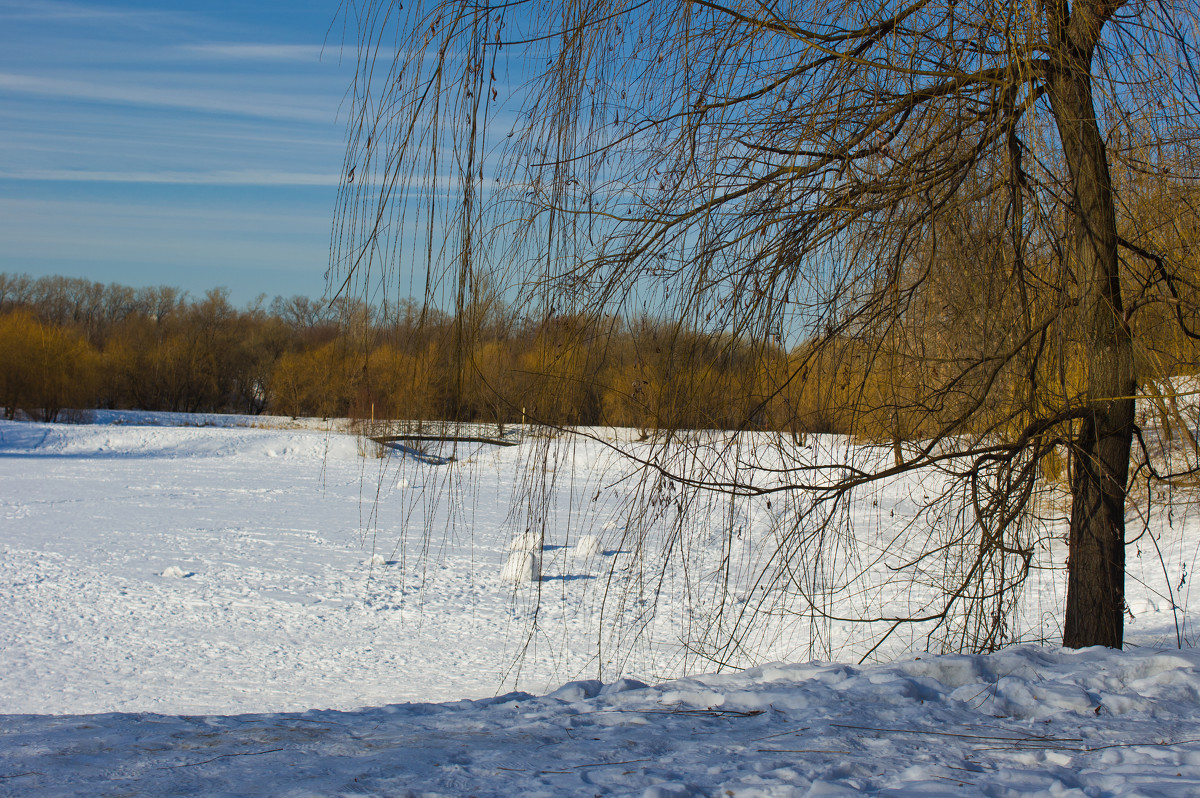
point(942, 206)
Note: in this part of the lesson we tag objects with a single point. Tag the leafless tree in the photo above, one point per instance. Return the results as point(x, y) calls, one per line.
point(914, 198)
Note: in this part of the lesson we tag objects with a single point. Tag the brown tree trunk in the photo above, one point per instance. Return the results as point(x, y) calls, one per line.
point(1100, 462)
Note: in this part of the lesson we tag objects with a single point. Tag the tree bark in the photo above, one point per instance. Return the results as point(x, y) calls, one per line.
point(1100, 462)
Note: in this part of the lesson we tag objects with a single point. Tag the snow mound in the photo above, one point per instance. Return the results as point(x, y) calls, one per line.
point(118, 441)
point(526, 541)
point(521, 567)
point(587, 546)
point(578, 691)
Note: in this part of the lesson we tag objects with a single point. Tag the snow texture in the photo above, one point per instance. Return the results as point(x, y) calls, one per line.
point(236, 610)
point(1026, 721)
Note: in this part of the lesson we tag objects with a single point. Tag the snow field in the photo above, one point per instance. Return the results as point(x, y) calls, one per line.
point(405, 581)
point(255, 588)
point(307, 576)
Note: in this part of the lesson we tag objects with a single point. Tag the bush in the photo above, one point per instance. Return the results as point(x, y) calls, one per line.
point(44, 368)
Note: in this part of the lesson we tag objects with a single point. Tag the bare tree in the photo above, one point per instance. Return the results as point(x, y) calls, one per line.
point(915, 198)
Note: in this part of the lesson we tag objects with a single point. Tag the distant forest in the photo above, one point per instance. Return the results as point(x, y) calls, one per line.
point(73, 343)
point(70, 343)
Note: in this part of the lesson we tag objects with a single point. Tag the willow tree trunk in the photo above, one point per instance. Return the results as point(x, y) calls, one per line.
point(1100, 462)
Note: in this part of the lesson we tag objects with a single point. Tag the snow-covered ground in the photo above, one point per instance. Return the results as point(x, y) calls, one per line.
point(192, 607)
point(1026, 721)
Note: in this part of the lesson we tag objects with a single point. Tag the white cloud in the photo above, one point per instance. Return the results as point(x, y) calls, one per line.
point(120, 213)
point(54, 10)
point(265, 105)
point(243, 177)
point(261, 52)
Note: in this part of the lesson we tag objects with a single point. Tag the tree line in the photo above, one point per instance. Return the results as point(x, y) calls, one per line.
point(74, 343)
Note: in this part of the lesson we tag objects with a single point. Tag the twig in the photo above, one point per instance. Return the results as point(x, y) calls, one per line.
point(1167, 581)
point(976, 770)
point(968, 736)
point(1087, 750)
point(219, 756)
point(780, 734)
point(716, 713)
point(606, 764)
point(576, 767)
point(750, 713)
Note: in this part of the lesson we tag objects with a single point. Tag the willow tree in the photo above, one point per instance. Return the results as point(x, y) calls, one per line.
point(909, 207)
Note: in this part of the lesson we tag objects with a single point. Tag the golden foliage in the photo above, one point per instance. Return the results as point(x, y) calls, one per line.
point(44, 368)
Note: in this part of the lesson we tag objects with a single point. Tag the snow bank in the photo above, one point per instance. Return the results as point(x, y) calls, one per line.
point(162, 418)
point(1024, 721)
point(117, 441)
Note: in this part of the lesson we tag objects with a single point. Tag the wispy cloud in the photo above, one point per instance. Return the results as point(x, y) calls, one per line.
point(56, 10)
point(158, 133)
point(260, 52)
point(123, 212)
point(114, 22)
point(245, 177)
point(246, 104)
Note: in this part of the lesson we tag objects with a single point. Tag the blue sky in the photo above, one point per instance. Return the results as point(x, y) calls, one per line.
point(167, 143)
